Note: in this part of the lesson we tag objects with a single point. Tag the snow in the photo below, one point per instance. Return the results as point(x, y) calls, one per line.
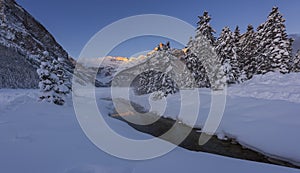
point(40, 137)
point(271, 86)
point(261, 114)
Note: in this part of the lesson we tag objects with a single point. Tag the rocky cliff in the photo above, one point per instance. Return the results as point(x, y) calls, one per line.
point(24, 39)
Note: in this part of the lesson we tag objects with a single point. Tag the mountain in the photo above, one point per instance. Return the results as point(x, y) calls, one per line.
point(22, 42)
point(110, 66)
point(296, 43)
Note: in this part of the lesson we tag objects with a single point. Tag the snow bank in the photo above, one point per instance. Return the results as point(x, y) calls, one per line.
point(271, 86)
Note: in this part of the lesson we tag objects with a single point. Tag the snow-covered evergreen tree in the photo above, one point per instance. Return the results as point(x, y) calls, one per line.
point(158, 75)
point(200, 59)
point(204, 28)
point(61, 88)
point(46, 78)
point(190, 42)
point(62, 74)
point(296, 62)
point(151, 81)
point(237, 39)
point(195, 66)
point(237, 35)
point(275, 46)
point(226, 50)
point(248, 52)
point(52, 80)
point(204, 64)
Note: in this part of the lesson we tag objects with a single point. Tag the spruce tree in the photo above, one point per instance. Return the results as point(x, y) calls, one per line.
point(200, 58)
point(195, 66)
point(52, 80)
point(296, 62)
point(190, 42)
point(204, 64)
point(237, 41)
point(275, 46)
point(205, 29)
point(47, 79)
point(227, 55)
point(237, 35)
point(60, 88)
point(249, 53)
point(151, 81)
point(159, 76)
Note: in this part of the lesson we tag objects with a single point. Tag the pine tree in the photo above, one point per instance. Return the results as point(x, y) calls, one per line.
point(47, 79)
point(195, 66)
point(227, 54)
point(62, 74)
point(197, 69)
point(52, 80)
point(237, 35)
point(61, 89)
point(237, 41)
point(296, 62)
point(275, 46)
point(248, 53)
point(204, 64)
point(151, 81)
point(159, 77)
point(190, 42)
point(200, 58)
point(205, 29)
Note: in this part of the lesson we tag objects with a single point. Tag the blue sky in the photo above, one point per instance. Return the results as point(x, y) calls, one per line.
point(73, 23)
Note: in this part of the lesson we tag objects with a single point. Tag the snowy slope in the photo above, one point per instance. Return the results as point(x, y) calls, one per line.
point(38, 137)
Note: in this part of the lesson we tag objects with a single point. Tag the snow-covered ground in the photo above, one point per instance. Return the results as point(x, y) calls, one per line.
point(39, 137)
point(262, 114)
point(271, 86)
